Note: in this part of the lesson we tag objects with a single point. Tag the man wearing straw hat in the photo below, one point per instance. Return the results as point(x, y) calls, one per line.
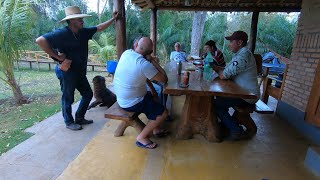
point(72, 42)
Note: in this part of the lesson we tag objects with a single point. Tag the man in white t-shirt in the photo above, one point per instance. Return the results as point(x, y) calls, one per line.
point(130, 78)
point(178, 55)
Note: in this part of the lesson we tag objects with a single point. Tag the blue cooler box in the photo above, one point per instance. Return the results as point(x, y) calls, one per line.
point(111, 66)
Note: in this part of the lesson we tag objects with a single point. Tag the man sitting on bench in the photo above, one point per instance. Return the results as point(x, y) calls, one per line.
point(242, 70)
point(130, 78)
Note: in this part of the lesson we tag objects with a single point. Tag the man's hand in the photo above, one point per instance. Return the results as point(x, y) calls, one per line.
point(105, 25)
point(221, 76)
point(152, 59)
point(155, 97)
point(115, 15)
point(62, 56)
point(65, 65)
point(219, 70)
point(156, 59)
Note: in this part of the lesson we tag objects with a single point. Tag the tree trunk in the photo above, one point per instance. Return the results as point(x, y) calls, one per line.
point(120, 27)
point(18, 96)
point(101, 11)
point(153, 30)
point(98, 11)
point(199, 19)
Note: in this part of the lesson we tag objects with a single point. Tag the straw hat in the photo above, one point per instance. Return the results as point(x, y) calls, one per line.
point(73, 12)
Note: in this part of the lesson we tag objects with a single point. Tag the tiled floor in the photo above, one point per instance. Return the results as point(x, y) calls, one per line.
point(276, 152)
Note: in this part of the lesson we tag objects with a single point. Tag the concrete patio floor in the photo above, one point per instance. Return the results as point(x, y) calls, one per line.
point(276, 152)
point(49, 151)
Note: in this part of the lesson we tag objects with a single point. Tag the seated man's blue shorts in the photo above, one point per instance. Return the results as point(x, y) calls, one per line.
point(148, 106)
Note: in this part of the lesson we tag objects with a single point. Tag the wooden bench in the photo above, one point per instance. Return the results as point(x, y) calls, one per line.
point(270, 90)
point(37, 61)
point(42, 57)
point(96, 65)
point(128, 119)
point(242, 115)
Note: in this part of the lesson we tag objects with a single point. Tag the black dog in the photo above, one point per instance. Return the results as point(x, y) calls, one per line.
point(103, 96)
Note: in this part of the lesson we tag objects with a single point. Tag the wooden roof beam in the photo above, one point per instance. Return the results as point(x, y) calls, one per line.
point(233, 9)
point(179, 2)
point(150, 4)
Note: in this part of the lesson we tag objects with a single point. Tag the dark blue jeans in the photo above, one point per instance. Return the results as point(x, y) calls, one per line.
point(70, 81)
point(222, 105)
point(58, 74)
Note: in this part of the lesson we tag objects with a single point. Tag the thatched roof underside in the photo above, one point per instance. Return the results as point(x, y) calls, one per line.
point(222, 5)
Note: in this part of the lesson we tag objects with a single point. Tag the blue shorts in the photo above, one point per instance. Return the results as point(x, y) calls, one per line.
point(148, 106)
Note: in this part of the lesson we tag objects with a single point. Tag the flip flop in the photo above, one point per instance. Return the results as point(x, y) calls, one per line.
point(162, 133)
point(147, 146)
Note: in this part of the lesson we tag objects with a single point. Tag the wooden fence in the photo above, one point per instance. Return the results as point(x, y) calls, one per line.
point(40, 57)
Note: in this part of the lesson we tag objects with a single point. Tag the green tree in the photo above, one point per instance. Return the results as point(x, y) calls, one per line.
point(15, 25)
point(215, 29)
point(103, 46)
point(173, 27)
point(277, 31)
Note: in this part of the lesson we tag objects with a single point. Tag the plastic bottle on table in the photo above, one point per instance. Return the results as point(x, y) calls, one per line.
point(179, 69)
point(207, 72)
point(186, 78)
point(209, 58)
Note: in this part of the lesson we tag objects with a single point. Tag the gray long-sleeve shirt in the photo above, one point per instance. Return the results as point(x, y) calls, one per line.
point(243, 70)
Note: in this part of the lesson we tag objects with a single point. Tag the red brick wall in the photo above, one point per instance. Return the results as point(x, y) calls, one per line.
point(304, 60)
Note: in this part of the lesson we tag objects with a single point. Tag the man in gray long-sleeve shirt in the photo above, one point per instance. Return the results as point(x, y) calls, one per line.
point(242, 70)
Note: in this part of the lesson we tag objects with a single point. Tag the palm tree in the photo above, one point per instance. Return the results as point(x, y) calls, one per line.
point(103, 46)
point(15, 23)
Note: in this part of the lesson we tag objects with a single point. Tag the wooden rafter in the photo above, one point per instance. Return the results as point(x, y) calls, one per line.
point(230, 9)
point(150, 4)
point(223, 5)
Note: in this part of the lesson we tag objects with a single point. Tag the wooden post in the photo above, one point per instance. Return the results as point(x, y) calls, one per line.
point(120, 27)
point(18, 68)
point(37, 59)
point(153, 30)
point(253, 33)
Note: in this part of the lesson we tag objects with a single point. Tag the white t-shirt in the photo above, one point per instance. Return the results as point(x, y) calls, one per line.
point(130, 78)
point(178, 56)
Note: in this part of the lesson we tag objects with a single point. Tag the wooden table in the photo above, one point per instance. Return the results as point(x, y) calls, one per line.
point(198, 114)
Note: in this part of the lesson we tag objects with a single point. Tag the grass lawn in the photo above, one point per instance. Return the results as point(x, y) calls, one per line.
point(43, 89)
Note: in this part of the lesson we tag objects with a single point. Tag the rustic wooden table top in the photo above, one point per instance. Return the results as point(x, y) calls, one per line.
point(200, 87)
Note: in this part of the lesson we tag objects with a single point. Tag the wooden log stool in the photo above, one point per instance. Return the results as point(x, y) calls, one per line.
point(127, 118)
